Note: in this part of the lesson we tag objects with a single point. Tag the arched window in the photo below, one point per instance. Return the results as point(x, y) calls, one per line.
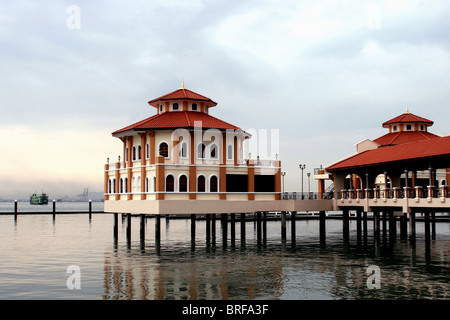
point(213, 184)
point(408, 127)
point(121, 185)
point(175, 106)
point(133, 156)
point(194, 107)
point(154, 184)
point(182, 187)
point(138, 184)
point(146, 184)
point(201, 151)
point(230, 152)
point(214, 151)
point(126, 185)
point(114, 186)
point(170, 186)
point(164, 150)
point(139, 152)
point(201, 184)
point(160, 108)
point(109, 186)
point(133, 185)
point(126, 154)
point(184, 150)
point(147, 151)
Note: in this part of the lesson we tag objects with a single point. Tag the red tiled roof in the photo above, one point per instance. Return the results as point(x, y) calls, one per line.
point(180, 119)
point(182, 94)
point(407, 151)
point(394, 138)
point(407, 117)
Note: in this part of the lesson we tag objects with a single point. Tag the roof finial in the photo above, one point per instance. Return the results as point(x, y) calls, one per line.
point(182, 84)
point(407, 110)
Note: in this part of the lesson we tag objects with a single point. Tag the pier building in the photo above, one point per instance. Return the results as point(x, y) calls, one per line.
point(402, 172)
point(184, 160)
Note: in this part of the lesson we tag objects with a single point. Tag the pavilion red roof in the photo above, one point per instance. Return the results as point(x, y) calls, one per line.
point(400, 137)
point(408, 151)
point(182, 94)
point(180, 119)
point(408, 117)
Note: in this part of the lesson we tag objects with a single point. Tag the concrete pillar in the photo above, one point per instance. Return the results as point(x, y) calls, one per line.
point(128, 226)
point(157, 229)
point(233, 229)
point(412, 226)
point(224, 218)
point(358, 225)
point(142, 227)
point(116, 226)
point(193, 230)
point(213, 230)
point(243, 227)
point(283, 225)
point(322, 230)
point(293, 235)
point(345, 223)
point(433, 226)
point(365, 226)
point(376, 223)
point(427, 227)
point(258, 227)
point(208, 230)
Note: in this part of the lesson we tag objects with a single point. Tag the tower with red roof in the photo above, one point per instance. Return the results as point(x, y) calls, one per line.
point(183, 153)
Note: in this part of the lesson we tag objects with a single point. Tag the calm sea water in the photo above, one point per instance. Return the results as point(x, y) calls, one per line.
point(37, 250)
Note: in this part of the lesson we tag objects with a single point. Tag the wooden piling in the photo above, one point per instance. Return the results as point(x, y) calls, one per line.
point(243, 230)
point(157, 228)
point(392, 226)
point(213, 230)
point(90, 210)
point(224, 217)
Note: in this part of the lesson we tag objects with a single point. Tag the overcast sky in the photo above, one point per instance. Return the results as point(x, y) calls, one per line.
point(326, 74)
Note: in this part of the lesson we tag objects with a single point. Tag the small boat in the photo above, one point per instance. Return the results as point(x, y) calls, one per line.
point(35, 199)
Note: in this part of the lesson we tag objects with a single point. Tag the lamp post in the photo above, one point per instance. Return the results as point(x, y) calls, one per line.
point(302, 167)
point(309, 185)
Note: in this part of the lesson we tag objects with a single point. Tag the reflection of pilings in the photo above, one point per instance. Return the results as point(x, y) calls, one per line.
point(264, 228)
point(427, 227)
point(433, 226)
point(192, 231)
point(365, 227)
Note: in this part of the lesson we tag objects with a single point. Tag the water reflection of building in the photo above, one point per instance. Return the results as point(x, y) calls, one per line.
point(203, 276)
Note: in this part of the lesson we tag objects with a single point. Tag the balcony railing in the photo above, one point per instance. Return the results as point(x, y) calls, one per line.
point(394, 193)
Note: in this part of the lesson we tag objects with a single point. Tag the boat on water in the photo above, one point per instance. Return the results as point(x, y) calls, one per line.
point(35, 199)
